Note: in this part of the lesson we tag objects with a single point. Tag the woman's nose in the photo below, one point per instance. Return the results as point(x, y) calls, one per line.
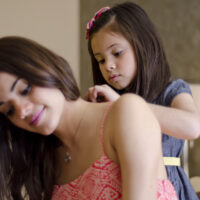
point(22, 108)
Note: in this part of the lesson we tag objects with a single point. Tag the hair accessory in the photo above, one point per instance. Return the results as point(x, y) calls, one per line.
point(96, 16)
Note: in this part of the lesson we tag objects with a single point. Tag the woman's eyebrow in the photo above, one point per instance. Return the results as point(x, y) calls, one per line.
point(13, 85)
point(11, 89)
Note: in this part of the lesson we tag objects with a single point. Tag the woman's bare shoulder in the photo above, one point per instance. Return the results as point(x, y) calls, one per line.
point(128, 103)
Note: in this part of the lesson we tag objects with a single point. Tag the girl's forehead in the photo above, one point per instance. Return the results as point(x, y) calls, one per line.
point(106, 32)
point(104, 39)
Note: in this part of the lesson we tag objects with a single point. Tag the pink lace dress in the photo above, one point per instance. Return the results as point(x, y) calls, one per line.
point(102, 181)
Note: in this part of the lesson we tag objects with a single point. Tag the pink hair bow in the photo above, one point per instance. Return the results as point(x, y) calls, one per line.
point(96, 16)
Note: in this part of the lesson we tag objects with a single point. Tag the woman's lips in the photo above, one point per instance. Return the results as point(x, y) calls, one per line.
point(36, 118)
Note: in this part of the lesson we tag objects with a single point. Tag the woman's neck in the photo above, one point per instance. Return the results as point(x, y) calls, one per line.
point(71, 122)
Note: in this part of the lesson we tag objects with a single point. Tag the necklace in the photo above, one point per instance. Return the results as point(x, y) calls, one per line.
point(68, 157)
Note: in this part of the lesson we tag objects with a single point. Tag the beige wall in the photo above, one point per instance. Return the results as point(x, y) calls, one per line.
point(54, 23)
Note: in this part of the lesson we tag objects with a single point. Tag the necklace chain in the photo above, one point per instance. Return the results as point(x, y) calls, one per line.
point(68, 157)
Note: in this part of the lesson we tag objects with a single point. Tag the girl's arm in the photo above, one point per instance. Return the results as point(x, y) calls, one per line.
point(195, 88)
point(180, 120)
point(136, 138)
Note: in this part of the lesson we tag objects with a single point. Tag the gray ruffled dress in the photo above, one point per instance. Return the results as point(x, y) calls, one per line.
point(173, 147)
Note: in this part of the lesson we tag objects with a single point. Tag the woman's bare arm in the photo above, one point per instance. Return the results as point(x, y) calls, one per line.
point(137, 140)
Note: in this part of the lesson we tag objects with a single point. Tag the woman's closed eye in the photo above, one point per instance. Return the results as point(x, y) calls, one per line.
point(26, 90)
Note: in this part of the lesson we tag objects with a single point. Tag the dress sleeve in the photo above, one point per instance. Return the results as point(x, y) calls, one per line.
point(174, 88)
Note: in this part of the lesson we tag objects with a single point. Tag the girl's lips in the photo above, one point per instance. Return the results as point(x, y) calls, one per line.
point(113, 78)
point(36, 118)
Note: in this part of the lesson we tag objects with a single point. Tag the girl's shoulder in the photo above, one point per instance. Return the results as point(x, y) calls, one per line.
point(173, 89)
point(178, 86)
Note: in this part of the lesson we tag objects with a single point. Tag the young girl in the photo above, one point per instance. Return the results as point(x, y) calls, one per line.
point(54, 145)
point(127, 56)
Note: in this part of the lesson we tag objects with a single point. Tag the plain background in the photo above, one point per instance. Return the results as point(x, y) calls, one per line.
point(53, 23)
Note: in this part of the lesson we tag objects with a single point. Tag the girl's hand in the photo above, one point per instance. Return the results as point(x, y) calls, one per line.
point(101, 93)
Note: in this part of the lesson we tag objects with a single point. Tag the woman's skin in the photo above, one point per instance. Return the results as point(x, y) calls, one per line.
point(46, 111)
point(31, 112)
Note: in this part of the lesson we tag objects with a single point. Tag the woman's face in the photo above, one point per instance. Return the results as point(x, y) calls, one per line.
point(33, 108)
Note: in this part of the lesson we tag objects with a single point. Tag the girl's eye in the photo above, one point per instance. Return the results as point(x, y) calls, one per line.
point(10, 111)
point(117, 53)
point(101, 61)
point(26, 90)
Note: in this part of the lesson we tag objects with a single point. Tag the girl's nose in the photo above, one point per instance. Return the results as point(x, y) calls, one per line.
point(110, 66)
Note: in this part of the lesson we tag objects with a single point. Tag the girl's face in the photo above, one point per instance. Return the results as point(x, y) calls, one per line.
point(36, 109)
point(116, 58)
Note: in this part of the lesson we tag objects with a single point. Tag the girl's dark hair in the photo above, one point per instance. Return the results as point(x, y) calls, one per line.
point(27, 160)
point(132, 22)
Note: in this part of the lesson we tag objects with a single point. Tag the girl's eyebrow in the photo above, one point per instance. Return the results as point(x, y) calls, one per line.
point(11, 89)
point(96, 54)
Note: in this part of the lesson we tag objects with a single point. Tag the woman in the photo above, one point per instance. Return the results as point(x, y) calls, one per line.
point(55, 145)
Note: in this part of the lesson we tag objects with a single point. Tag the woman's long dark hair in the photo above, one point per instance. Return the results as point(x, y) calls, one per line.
point(132, 22)
point(27, 160)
